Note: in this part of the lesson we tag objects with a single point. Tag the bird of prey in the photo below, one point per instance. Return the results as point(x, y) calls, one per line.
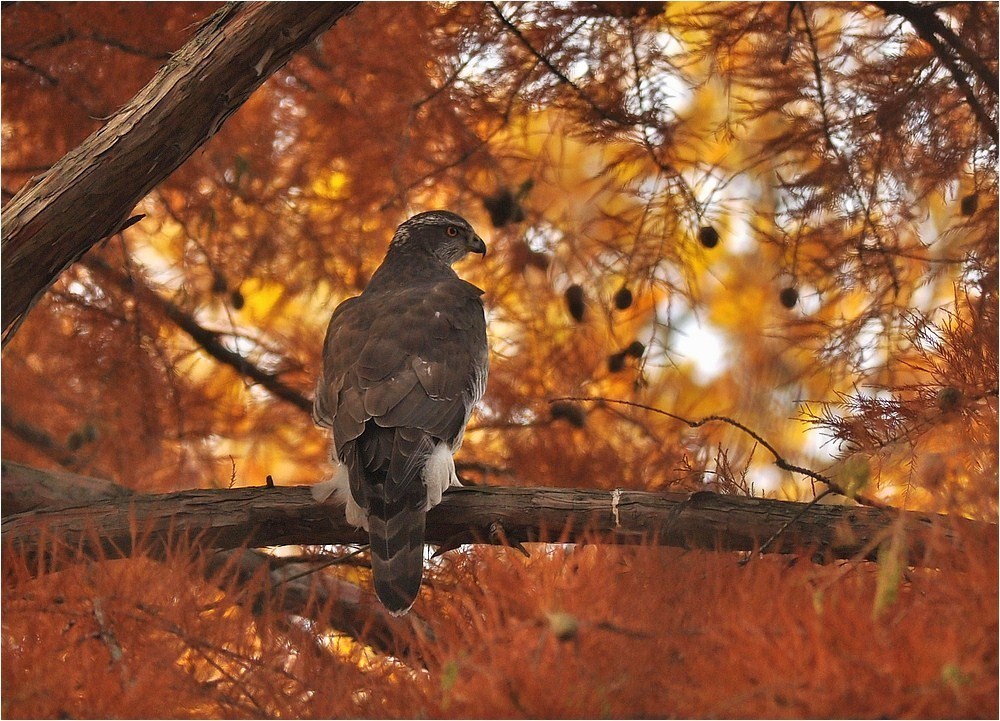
point(403, 365)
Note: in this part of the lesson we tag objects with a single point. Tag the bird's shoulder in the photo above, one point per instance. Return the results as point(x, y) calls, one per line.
point(405, 314)
point(416, 292)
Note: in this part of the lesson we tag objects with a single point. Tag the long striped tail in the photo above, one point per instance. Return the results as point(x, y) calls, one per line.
point(386, 476)
point(396, 534)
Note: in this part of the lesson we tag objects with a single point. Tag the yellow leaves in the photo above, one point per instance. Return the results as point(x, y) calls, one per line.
point(255, 460)
point(334, 186)
point(853, 474)
point(941, 211)
point(157, 239)
point(261, 297)
point(698, 139)
point(953, 675)
point(739, 309)
point(449, 676)
point(582, 180)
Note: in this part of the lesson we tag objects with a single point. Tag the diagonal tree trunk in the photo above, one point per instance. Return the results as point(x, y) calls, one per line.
point(90, 193)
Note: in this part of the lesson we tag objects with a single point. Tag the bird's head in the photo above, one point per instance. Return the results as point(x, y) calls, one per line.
point(443, 234)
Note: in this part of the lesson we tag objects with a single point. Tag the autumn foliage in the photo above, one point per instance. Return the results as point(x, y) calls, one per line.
point(588, 632)
point(780, 213)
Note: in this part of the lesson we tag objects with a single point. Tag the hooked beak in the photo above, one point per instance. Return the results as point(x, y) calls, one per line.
point(476, 245)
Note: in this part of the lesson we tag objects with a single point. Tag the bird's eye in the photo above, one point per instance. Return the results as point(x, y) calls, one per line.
point(452, 231)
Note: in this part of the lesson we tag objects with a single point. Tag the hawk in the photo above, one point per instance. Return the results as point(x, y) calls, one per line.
point(403, 365)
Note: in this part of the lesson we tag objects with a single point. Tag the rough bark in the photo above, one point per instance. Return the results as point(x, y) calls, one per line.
point(271, 516)
point(90, 193)
point(28, 489)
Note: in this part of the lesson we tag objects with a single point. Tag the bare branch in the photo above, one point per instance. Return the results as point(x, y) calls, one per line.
point(36, 437)
point(779, 460)
point(926, 22)
point(604, 113)
point(257, 517)
point(609, 115)
point(929, 26)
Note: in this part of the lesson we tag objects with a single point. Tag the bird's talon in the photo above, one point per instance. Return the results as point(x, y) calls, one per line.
point(498, 536)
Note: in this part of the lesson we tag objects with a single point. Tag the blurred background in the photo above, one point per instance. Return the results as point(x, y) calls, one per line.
point(785, 214)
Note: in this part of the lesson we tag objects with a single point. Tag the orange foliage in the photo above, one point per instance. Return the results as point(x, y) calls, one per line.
point(586, 632)
point(698, 157)
point(149, 640)
point(800, 200)
point(638, 633)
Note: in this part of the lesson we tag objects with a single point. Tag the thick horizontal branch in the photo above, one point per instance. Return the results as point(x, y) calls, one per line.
point(294, 587)
point(263, 516)
point(90, 192)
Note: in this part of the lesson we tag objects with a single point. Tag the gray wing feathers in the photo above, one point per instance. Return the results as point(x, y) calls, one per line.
point(382, 364)
point(403, 368)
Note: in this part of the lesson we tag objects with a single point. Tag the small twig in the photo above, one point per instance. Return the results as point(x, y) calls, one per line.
point(326, 563)
point(550, 66)
point(779, 460)
point(236, 663)
point(930, 26)
point(964, 87)
point(37, 437)
point(499, 537)
point(125, 47)
point(614, 628)
point(840, 155)
point(209, 340)
point(107, 635)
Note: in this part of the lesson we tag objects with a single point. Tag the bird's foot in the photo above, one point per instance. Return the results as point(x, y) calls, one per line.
point(499, 537)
